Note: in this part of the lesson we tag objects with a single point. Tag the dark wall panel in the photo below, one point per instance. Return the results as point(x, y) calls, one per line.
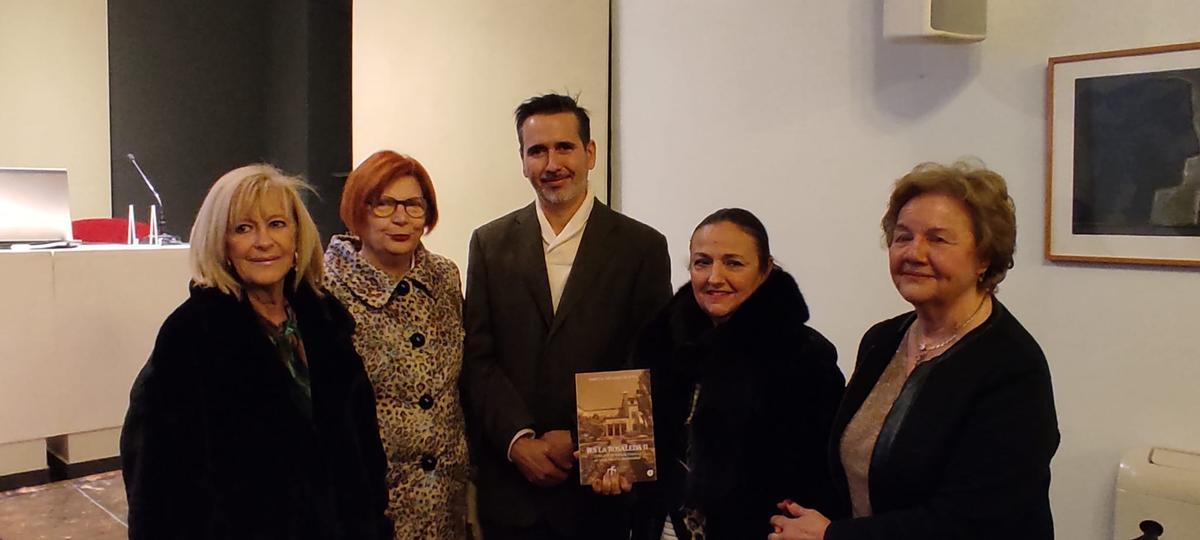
point(329, 124)
point(285, 86)
point(198, 88)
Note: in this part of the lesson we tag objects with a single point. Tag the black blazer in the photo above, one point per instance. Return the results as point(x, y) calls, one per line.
point(965, 451)
point(214, 447)
point(769, 387)
point(520, 357)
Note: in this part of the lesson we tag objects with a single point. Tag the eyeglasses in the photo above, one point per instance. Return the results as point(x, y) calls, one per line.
point(386, 206)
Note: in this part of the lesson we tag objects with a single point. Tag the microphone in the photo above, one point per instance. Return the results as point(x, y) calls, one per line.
point(163, 237)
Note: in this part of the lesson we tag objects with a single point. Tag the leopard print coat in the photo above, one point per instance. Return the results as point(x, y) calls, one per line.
point(410, 336)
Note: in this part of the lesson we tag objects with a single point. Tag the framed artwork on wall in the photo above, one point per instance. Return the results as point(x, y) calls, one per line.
point(1123, 156)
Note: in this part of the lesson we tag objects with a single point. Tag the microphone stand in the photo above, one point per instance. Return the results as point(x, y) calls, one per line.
point(161, 237)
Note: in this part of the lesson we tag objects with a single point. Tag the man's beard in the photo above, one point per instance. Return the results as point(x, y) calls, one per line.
point(571, 190)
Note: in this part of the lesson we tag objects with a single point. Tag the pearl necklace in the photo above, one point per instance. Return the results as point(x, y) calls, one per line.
point(925, 349)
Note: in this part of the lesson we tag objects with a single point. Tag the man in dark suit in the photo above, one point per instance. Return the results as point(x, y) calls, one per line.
point(558, 287)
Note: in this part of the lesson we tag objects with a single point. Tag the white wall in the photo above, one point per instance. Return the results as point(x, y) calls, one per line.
point(440, 80)
point(799, 111)
point(54, 94)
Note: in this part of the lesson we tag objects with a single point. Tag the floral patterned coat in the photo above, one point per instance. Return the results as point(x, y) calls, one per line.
point(410, 336)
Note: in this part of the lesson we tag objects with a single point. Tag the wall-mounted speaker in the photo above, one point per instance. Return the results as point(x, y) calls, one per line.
point(937, 20)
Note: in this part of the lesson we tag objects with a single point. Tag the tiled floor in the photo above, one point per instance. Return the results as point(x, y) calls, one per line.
point(92, 508)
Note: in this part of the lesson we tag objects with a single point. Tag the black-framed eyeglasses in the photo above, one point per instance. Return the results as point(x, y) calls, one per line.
point(386, 206)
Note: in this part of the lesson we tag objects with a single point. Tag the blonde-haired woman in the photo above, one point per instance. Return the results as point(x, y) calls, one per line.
point(407, 303)
point(253, 417)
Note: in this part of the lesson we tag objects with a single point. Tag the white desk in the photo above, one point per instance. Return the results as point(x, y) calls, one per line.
point(76, 325)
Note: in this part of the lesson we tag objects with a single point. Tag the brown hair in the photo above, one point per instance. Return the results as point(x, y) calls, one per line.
point(552, 104)
point(985, 194)
point(749, 224)
point(371, 177)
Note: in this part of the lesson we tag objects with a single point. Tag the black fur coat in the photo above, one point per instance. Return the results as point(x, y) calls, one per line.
point(214, 446)
point(769, 388)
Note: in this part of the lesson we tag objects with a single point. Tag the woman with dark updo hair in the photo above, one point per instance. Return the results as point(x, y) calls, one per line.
point(744, 392)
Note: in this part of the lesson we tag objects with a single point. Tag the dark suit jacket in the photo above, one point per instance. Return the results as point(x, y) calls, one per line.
point(520, 357)
point(965, 451)
point(214, 447)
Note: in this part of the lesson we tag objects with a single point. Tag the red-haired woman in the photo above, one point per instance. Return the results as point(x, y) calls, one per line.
point(407, 303)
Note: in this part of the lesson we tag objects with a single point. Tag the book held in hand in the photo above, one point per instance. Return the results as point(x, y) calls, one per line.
point(616, 425)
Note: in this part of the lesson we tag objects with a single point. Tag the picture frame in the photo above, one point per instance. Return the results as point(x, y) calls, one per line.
point(1123, 157)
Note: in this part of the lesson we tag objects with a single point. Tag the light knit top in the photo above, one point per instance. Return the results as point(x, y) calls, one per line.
point(858, 441)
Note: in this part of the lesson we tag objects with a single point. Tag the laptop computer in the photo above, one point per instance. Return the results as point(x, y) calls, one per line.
point(34, 206)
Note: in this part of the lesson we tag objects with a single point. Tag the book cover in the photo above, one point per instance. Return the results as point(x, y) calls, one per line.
point(616, 425)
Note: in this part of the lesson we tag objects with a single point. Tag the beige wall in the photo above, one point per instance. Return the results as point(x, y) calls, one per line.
point(801, 112)
point(442, 89)
point(440, 80)
point(54, 94)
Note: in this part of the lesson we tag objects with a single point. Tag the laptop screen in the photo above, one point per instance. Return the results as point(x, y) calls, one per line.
point(34, 205)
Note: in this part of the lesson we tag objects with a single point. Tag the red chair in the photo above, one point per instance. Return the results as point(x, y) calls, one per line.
point(107, 230)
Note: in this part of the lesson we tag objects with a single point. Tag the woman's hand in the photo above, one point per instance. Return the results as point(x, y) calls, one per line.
point(611, 483)
point(798, 523)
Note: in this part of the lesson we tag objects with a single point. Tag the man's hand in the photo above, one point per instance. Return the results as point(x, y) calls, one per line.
point(532, 458)
point(562, 448)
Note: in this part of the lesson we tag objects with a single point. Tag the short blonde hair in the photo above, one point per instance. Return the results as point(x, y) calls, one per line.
point(233, 196)
point(984, 193)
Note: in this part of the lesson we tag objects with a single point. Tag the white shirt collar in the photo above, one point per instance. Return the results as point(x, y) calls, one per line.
point(574, 227)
